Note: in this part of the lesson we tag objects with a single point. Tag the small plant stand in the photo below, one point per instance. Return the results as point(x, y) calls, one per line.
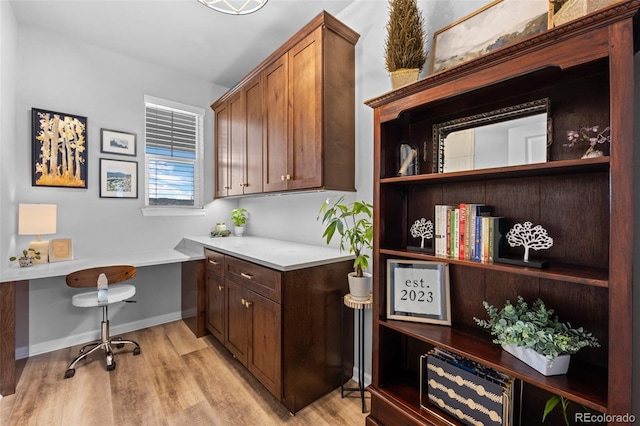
point(360, 306)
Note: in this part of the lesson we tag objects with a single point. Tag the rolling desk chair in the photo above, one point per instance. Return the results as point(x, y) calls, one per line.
point(90, 278)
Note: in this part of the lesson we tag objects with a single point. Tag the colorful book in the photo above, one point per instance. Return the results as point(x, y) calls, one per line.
point(462, 219)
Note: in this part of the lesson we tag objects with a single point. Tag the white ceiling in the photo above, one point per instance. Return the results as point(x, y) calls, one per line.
point(179, 34)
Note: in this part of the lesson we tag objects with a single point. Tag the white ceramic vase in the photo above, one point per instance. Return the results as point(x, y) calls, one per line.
point(238, 231)
point(359, 286)
point(539, 362)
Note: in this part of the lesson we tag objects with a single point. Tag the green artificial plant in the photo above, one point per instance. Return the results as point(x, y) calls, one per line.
point(239, 216)
point(404, 45)
point(27, 254)
point(353, 223)
point(535, 327)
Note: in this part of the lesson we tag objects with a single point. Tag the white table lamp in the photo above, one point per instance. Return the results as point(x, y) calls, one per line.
point(37, 219)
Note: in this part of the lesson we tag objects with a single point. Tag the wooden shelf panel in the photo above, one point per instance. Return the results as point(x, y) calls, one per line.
point(550, 168)
point(584, 384)
point(560, 272)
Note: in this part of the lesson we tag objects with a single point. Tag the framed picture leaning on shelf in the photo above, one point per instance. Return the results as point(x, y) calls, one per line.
point(418, 291)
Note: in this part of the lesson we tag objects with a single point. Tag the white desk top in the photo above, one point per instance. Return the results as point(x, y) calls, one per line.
point(274, 254)
point(138, 259)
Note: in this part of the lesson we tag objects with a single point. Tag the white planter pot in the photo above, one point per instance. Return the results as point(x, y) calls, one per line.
point(359, 286)
point(539, 362)
point(238, 231)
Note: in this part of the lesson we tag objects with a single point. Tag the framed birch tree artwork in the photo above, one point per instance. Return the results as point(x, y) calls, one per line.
point(59, 149)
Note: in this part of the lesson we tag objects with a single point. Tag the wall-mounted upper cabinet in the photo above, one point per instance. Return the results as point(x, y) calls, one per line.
point(290, 124)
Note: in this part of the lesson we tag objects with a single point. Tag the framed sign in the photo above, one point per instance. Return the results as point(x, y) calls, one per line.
point(418, 291)
point(116, 142)
point(60, 249)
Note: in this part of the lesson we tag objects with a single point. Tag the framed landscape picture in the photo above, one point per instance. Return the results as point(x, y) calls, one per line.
point(116, 142)
point(118, 178)
point(496, 25)
point(59, 149)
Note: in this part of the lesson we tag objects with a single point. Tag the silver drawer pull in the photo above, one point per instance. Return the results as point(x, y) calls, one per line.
point(213, 262)
point(247, 276)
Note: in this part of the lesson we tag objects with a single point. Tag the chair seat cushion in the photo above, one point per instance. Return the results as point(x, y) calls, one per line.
point(117, 293)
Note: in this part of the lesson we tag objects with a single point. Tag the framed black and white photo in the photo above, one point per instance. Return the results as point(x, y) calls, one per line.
point(418, 291)
point(118, 178)
point(116, 142)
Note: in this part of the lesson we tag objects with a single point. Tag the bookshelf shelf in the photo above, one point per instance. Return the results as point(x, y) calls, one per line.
point(586, 205)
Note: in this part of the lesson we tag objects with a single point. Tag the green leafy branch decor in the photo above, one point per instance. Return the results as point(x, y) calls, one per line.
point(404, 45)
point(353, 224)
point(239, 216)
point(535, 327)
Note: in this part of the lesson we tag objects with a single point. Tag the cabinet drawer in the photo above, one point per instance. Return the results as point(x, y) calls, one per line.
point(264, 281)
point(215, 262)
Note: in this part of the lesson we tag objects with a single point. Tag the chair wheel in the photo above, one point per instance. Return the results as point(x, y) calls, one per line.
point(136, 351)
point(112, 366)
point(70, 373)
point(119, 345)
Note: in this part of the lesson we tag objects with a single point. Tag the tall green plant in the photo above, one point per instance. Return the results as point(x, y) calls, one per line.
point(239, 216)
point(404, 46)
point(353, 223)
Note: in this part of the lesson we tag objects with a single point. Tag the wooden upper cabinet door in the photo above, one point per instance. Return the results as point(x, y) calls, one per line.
point(306, 113)
point(254, 110)
point(276, 126)
point(222, 150)
point(237, 147)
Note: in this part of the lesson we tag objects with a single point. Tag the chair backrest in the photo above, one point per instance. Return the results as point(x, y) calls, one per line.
point(89, 277)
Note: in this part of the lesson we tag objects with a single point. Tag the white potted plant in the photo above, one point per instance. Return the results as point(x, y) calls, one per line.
point(239, 218)
point(27, 257)
point(535, 335)
point(353, 223)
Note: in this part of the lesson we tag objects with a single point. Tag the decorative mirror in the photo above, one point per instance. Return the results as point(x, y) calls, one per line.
point(520, 134)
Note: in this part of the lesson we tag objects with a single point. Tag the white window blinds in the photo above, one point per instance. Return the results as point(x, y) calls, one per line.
point(173, 147)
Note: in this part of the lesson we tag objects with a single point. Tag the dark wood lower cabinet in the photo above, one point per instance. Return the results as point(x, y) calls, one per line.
point(283, 326)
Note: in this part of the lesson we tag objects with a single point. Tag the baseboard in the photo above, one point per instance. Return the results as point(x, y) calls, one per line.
point(77, 339)
point(356, 376)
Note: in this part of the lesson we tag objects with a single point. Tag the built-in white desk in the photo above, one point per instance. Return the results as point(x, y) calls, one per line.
point(16, 279)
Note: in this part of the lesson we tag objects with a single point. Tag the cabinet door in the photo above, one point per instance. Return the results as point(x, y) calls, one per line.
point(237, 336)
point(306, 112)
point(265, 353)
point(276, 126)
point(254, 111)
point(215, 305)
point(222, 150)
point(237, 147)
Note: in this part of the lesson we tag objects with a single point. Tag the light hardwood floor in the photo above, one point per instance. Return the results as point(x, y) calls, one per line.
point(176, 380)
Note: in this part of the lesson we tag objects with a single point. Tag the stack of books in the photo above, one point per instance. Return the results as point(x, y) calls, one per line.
point(469, 232)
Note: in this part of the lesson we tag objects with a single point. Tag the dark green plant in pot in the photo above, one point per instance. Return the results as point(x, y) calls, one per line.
point(353, 223)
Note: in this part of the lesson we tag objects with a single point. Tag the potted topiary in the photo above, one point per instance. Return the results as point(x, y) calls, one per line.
point(535, 336)
point(27, 257)
point(404, 49)
point(239, 218)
point(353, 223)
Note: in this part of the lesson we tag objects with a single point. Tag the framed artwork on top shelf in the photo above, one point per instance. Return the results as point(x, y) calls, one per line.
point(418, 291)
point(498, 24)
point(116, 142)
point(59, 149)
point(118, 178)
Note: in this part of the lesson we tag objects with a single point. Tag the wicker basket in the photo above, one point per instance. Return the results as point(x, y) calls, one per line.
point(404, 76)
point(574, 9)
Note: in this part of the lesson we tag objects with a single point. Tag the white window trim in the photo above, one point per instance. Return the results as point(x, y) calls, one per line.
point(198, 210)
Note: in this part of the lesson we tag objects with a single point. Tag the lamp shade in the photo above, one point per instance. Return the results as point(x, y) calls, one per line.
point(36, 219)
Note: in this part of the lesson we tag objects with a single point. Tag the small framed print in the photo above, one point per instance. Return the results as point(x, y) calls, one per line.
point(118, 178)
point(418, 291)
point(116, 142)
point(60, 249)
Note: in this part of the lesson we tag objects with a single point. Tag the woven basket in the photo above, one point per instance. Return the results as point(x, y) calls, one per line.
point(404, 76)
point(574, 9)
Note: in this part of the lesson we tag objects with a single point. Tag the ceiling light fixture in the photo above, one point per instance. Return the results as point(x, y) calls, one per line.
point(234, 7)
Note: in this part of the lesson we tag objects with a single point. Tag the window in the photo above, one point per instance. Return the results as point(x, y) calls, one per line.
point(173, 148)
